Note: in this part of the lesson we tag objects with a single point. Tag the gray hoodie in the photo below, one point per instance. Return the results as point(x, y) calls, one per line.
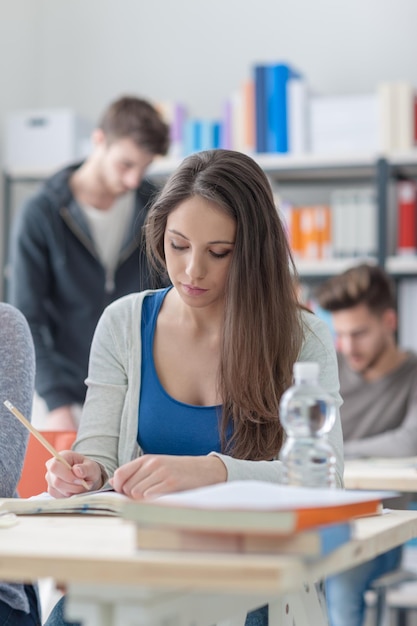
point(59, 283)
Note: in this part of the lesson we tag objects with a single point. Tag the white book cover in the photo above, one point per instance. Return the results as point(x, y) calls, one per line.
point(396, 116)
point(298, 116)
point(386, 117)
point(405, 117)
point(345, 124)
point(344, 223)
point(367, 222)
point(237, 121)
point(407, 313)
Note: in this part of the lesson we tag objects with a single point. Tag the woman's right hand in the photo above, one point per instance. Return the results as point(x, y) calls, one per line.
point(64, 482)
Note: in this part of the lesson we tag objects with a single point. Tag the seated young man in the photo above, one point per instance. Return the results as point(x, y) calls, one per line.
point(378, 384)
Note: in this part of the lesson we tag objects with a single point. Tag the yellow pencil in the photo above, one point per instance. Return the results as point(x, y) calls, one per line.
point(39, 437)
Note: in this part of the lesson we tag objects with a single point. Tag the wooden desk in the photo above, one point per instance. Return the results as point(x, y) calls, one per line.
point(110, 582)
point(382, 473)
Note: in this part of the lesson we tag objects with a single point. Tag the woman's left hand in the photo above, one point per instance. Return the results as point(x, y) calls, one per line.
point(152, 475)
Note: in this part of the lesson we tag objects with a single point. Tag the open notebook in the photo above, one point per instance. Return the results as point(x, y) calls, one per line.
point(103, 502)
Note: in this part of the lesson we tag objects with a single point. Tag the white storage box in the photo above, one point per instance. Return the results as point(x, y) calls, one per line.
point(45, 139)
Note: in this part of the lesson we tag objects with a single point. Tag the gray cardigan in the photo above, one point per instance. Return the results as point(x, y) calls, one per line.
point(109, 424)
point(17, 381)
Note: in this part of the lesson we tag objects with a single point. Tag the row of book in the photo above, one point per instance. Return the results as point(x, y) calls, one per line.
point(275, 111)
point(348, 226)
point(344, 228)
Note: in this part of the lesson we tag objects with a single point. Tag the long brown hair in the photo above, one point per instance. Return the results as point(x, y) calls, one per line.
point(262, 332)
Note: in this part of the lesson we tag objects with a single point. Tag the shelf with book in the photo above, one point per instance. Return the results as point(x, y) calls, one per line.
point(335, 209)
point(381, 174)
point(300, 170)
point(313, 171)
point(306, 172)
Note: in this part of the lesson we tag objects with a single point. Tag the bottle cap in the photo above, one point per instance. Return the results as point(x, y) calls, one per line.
point(306, 370)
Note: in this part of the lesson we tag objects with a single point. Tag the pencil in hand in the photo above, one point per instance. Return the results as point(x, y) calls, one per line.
point(40, 437)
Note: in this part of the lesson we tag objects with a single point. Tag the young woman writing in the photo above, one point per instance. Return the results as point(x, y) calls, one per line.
point(184, 383)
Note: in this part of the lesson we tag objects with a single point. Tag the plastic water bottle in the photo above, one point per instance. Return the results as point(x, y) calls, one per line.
point(307, 413)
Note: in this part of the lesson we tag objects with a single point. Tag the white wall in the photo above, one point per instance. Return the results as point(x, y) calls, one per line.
point(18, 70)
point(18, 53)
point(83, 53)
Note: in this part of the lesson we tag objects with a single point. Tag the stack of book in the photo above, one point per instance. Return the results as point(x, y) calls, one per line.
point(251, 517)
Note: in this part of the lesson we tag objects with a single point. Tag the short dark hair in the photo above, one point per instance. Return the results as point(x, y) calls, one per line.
point(363, 284)
point(138, 120)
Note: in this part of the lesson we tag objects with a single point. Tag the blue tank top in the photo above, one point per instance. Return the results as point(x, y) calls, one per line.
point(167, 426)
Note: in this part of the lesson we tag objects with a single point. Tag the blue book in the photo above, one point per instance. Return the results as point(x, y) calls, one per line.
point(332, 536)
point(225, 133)
point(217, 129)
point(261, 110)
point(277, 77)
point(192, 136)
point(210, 131)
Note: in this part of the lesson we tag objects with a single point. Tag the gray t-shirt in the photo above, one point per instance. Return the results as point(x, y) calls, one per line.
point(379, 418)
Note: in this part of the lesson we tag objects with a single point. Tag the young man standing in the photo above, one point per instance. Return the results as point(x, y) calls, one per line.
point(76, 246)
point(378, 384)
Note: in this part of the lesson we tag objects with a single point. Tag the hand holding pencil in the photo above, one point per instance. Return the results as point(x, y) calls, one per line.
point(74, 457)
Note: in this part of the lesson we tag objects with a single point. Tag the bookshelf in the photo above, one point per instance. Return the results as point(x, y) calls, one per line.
point(12, 181)
point(307, 172)
point(312, 171)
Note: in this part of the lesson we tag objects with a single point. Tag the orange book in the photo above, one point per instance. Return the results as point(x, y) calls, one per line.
point(248, 117)
point(309, 233)
point(254, 507)
point(294, 231)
